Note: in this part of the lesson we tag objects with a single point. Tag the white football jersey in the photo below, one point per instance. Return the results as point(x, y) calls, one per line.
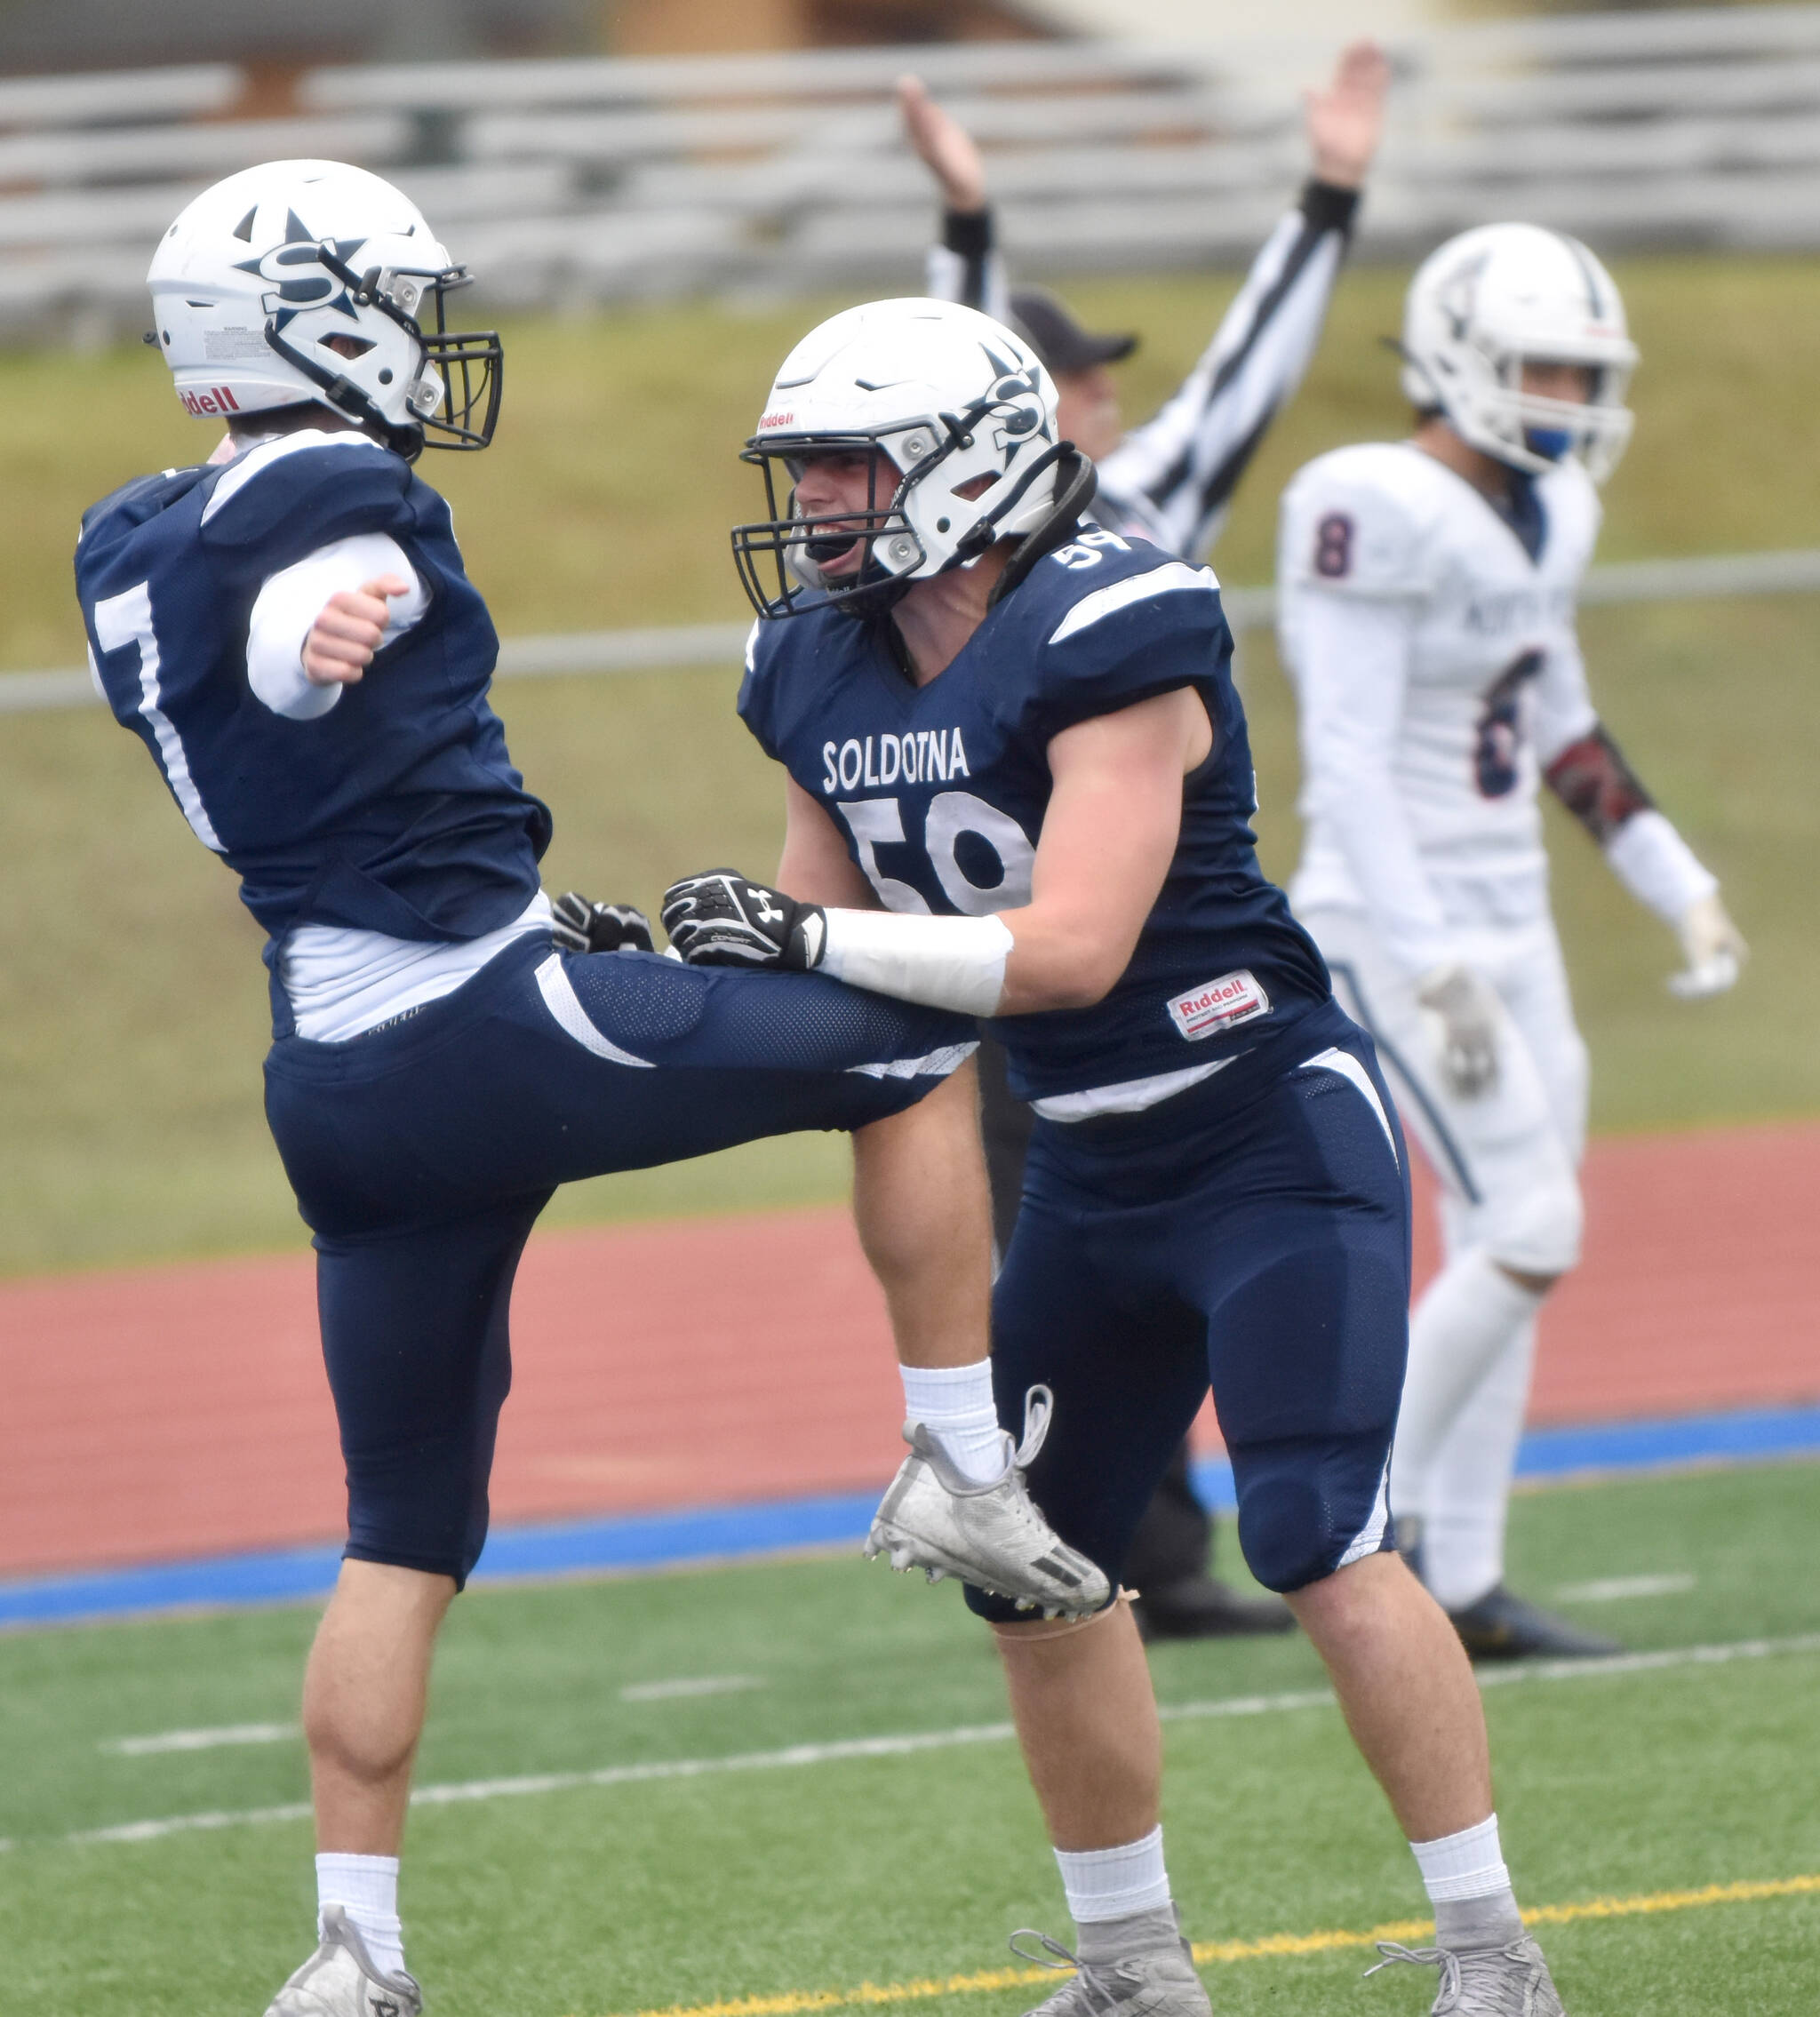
point(1437, 670)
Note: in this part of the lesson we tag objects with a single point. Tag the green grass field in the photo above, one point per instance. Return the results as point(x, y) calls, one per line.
point(827, 1873)
point(131, 1001)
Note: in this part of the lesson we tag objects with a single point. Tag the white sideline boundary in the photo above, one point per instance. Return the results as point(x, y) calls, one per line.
point(908, 1744)
point(586, 651)
point(201, 1740)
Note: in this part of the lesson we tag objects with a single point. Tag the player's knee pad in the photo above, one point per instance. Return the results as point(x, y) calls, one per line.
point(1537, 1230)
point(1306, 1505)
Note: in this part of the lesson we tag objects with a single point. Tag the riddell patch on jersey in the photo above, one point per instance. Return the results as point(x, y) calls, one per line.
point(1221, 1004)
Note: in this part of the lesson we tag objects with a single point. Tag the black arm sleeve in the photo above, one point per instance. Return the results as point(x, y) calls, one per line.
point(968, 234)
point(1328, 207)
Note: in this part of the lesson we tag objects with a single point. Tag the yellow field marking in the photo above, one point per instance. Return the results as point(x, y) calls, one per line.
point(1673, 1900)
point(791, 2002)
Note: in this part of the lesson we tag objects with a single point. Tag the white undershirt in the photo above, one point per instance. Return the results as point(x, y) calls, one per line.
point(342, 982)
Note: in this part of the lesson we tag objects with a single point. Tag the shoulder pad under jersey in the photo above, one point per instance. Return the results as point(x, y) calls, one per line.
point(1362, 521)
point(305, 489)
point(1104, 623)
point(133, 504)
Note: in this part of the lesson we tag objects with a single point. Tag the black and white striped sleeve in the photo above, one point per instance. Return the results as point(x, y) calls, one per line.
point(966, 265)
point(1174, 477)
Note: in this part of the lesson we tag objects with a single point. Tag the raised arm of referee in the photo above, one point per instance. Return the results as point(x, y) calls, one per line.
point(1171, 480)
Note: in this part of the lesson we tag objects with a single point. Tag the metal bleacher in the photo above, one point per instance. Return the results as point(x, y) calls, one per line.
point(574, 181)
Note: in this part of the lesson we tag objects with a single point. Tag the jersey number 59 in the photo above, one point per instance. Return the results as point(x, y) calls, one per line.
point(957, 830)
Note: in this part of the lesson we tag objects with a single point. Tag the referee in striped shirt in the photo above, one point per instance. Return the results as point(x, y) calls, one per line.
point(1169, 481)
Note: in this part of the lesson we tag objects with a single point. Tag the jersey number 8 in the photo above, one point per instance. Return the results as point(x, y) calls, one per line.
point(1333, 546)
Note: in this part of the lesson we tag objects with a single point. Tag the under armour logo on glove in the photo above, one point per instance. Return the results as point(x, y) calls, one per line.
point(578, 925)
point(723, 918)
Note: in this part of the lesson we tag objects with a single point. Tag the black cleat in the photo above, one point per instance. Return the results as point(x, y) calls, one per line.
point(1501, 1626)
point(1202, 1606)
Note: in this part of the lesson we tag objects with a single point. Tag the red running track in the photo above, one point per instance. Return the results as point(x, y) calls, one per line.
point(162, 1413)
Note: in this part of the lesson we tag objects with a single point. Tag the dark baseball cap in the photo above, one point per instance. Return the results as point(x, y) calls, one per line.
point(1058, 339)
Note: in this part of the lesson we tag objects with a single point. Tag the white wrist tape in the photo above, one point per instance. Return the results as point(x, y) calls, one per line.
point(957, 963)
point(1658, 866)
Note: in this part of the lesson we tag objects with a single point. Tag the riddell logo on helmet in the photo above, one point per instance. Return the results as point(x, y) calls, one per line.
point(216, 400)
point(1221, 1004)
point(775, 420)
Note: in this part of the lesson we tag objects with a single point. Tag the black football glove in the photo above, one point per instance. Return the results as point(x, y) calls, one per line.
point(578, 925)
point(723, 920)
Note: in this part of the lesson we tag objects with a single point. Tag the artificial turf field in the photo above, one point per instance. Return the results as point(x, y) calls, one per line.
point(794, 1880)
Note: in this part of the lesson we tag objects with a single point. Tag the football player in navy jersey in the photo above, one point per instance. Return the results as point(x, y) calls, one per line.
point(1171, 480)
point(1019, 786)
point(290, 630)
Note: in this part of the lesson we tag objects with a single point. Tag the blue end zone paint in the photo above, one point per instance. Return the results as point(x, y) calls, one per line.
point(636, 1541)
point(657, 1540)
point(1751, 1435)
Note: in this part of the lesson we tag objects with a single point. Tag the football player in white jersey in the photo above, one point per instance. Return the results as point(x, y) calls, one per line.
point(1428, 591)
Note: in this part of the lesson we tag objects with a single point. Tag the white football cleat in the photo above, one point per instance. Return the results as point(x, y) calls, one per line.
point(935, 1520)
point(1482, 1981)
point(1158, 1983)
point(341, 1980)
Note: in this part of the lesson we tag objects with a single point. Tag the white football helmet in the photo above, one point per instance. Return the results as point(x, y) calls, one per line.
point(261, 271)
point(960, 417)
point(1495, 296)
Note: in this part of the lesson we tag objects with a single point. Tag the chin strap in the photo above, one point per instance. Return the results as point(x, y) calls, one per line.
point(348, 399)
point(1077, 481)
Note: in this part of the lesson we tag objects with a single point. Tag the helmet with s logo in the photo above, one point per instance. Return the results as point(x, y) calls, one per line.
point(958, 416)
point(310, 281)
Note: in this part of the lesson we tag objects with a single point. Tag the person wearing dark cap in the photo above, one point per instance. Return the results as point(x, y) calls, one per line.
point(1169, 481)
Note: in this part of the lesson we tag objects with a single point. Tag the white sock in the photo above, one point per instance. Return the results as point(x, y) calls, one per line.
point(1461, 1328)
point(1469, 1486)
point(1112, 1883)
point(1466, 1865)
point(954, 1404)
point(1469, 1888)
point(366, 1888)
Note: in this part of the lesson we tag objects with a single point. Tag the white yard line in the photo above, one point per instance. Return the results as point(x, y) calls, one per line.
point(190, 1823)
point(689, 1688)
point(202, 1740)
point(909, 1743)
point(1615, 1588)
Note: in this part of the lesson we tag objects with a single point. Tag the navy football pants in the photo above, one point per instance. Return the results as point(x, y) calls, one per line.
point(1257, 1243)
point(422, 1152)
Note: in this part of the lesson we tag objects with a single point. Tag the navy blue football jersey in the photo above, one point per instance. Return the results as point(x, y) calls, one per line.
point(940, 791)
point(398, 810)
